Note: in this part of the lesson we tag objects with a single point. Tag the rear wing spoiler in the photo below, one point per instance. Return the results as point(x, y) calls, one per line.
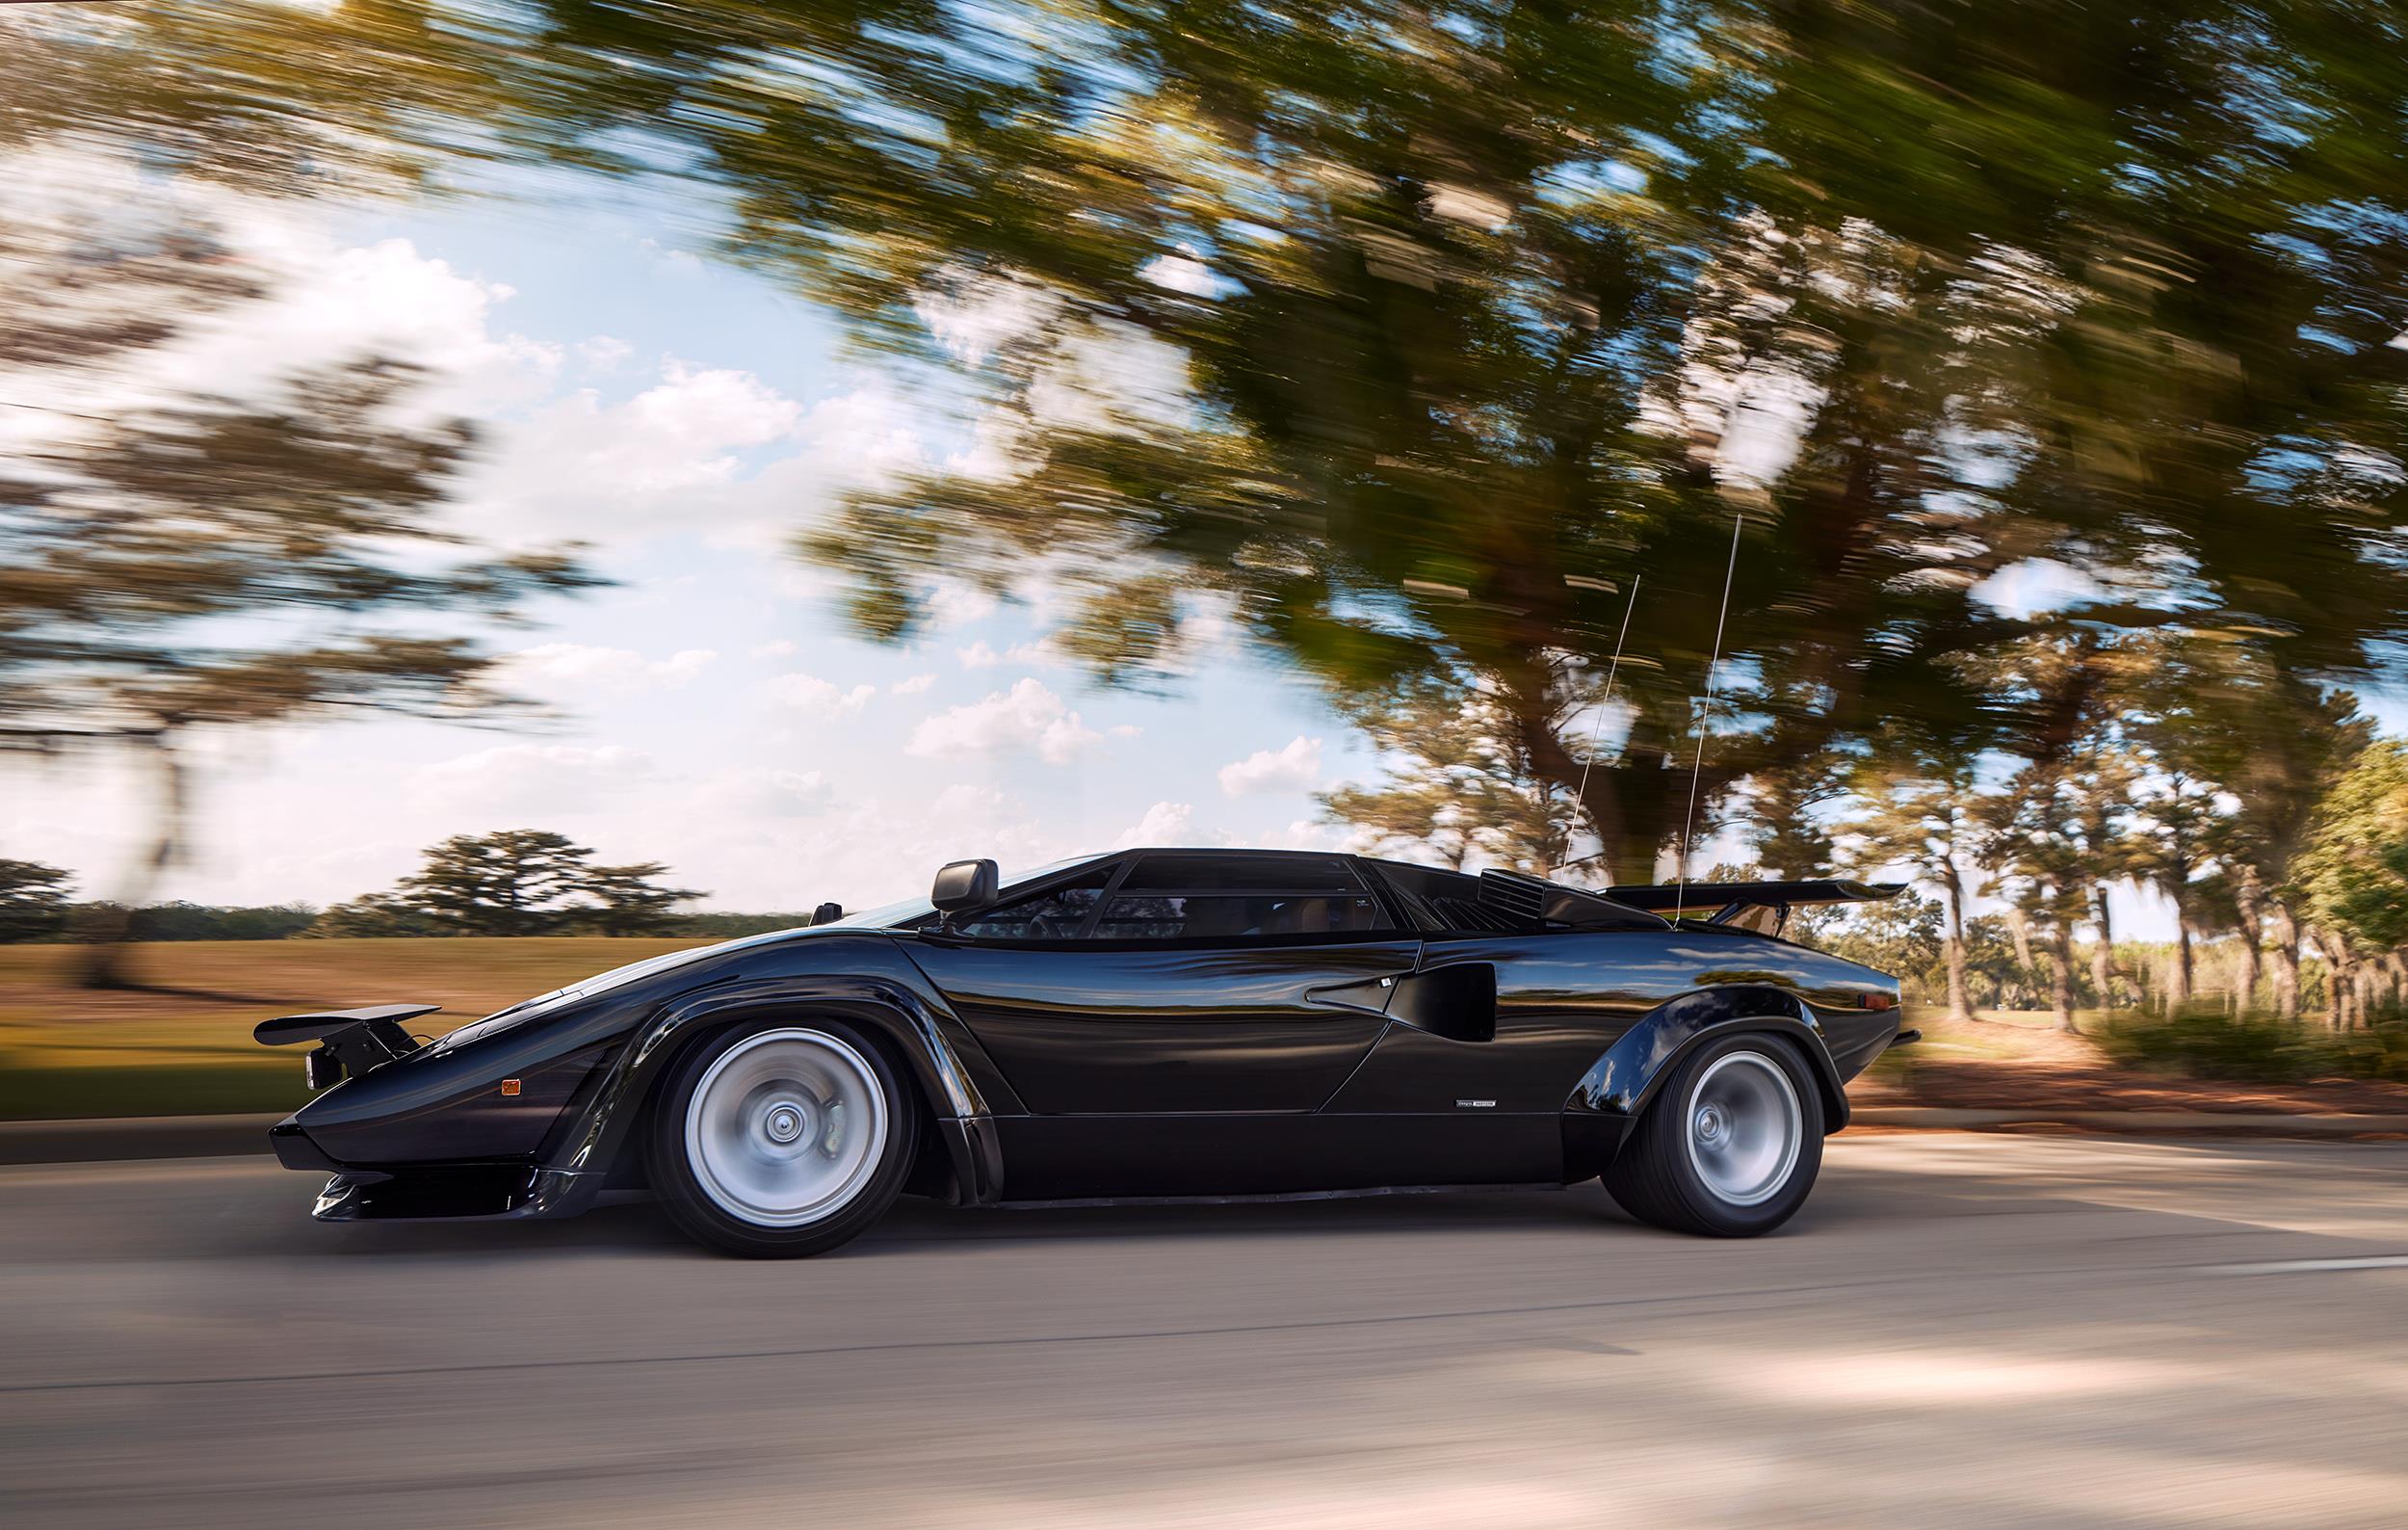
point(1728, 901)
point(351, 1042)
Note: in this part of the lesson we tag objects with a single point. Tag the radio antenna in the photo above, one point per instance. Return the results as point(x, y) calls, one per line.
point(1697, 766)
point(1598, 727)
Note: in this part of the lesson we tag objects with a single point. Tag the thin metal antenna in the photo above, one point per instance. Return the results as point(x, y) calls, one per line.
point(1597, 729)
point(1697, 767)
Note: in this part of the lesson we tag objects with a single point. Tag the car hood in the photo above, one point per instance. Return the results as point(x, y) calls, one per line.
point(559, 998)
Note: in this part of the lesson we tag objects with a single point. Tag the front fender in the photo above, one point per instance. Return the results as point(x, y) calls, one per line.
point(590, 1137)
point(1626, 1078)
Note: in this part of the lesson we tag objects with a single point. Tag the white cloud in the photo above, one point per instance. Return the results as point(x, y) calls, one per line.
point(1163, 823)
point(912, 686)
point(2036, 584)
point(1293, 768)
point(1028, 716)
point(604, 353)
point(986, 314)
point(579, 664)
point(753, 793)
point(951, 603)
point(778, 648)
point(530, 780)
point(1305, 834)
point(980, 655)
point(814, 696)
point(1180, 273)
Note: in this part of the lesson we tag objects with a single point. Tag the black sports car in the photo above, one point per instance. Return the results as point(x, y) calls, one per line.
point(1149, 1024)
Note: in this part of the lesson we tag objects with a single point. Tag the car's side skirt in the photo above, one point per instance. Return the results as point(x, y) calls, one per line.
point(1272, 1199)
point(1240, 1154)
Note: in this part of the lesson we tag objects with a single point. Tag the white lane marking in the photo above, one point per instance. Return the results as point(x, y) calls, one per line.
point(2370, 1261)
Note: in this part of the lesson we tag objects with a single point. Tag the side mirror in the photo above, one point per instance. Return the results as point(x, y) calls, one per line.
point(827, 913)
point(966, 884)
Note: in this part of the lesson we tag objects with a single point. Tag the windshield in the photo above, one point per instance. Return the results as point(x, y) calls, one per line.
point(911, 911)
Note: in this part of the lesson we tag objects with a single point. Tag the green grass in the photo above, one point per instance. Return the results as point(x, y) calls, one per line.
point(2205, 1043)
point(182, 1045)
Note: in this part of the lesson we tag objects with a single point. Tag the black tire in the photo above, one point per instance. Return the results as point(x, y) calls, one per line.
point(709, 1203)
point(1656, 1177)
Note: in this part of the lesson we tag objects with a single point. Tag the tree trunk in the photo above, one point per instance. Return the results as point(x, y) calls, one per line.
point(2251, 907)
point(2061, 975)
point(1960, 1001)
point(2177, 977)
point(2341, 976)
point(102, 963)
point(2286, 962)
point(2102, 959)
point(2021, 929)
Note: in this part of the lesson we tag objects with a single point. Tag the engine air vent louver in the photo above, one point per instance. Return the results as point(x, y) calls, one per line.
point(1514, 894)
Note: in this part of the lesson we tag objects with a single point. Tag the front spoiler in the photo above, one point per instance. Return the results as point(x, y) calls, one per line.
point(456, 1193)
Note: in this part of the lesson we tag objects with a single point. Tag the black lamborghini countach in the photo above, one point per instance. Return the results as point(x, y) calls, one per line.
point(1144, 1025)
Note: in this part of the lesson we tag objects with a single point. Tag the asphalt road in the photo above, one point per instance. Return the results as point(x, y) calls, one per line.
point(1959, 1329)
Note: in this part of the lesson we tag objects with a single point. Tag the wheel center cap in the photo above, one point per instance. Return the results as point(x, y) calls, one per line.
point(1710, 1124)
point(783, 1124)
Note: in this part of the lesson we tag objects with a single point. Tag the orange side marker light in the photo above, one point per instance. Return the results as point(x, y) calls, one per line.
point(509, 1086)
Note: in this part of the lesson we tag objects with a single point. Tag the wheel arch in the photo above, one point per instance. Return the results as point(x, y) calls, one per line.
point(1626, 1078)
point(956, 1145)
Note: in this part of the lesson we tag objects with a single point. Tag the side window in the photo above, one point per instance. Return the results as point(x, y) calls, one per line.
point(1235, 916)
point(1058, 914)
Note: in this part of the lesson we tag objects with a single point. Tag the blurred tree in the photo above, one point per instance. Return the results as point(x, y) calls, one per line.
point(1927, 821)
point(366, 95)
point(376, 916)
point(1408, 334)
point(1787, 811)
point(215, 564)
point(2351, 876)
point(2274, 744)
point(1457, 783)
point(2102, 774)
point(32, 900)
point(2032, 842)
point(194, 921)
point(627, 899)
point(1997, 971)
point(2175, 853)
point(516, 882)
point(1902, 936)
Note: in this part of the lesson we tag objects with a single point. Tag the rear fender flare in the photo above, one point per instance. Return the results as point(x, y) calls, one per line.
point(590, 1140)
point(1622, 1081)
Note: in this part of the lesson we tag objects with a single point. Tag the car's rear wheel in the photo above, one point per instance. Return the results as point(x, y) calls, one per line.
point(1730, 1145)
point(780, 1140)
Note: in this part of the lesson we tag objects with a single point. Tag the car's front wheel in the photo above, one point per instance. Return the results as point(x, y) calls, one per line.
point(1730, 1145)
point(782, 1139)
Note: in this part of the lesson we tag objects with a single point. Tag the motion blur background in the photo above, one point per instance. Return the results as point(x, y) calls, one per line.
point(487, 490)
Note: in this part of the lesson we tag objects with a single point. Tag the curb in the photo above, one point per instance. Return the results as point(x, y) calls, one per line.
point(110, 1139)
point(95, 1141)
point(2128, 1123)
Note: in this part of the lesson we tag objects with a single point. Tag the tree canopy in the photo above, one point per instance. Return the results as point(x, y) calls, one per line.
point(1403, 339)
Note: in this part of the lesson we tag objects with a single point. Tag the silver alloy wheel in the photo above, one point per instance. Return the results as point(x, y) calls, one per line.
point(1744, 1127)
point(786, 1127)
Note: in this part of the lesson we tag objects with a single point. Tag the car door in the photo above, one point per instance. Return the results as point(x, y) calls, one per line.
point(1177, 983)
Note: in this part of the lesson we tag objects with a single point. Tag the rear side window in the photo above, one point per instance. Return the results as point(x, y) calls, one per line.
point(1235, 916)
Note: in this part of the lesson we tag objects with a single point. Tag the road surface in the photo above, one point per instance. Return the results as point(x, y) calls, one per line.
point(1959, 1330)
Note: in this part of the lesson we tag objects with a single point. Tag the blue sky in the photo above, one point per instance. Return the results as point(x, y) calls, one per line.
point(711, 710)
